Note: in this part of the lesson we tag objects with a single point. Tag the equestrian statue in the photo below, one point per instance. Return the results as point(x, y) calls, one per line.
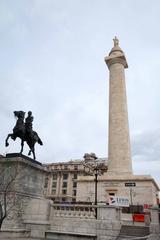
point(24, 130)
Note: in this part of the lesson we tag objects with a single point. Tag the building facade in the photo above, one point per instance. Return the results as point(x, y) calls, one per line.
point(62, 179)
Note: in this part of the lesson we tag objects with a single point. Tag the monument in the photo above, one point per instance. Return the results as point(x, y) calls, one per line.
point(23, 206)
point(119, 153)
point(24, 131)
point(119, 180)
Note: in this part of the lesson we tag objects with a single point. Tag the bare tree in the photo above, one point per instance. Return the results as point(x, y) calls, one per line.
point(10, 200)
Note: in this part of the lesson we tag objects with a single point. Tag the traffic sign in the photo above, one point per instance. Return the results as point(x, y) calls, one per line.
point(130, 184)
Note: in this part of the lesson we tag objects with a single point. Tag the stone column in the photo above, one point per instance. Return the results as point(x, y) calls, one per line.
point(119, 153)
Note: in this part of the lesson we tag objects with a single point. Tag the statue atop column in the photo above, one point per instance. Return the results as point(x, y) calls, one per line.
point(116, 41)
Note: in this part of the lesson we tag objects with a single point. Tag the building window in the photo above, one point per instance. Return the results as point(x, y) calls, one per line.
point(54, 184)
point(111, 194)
point(75, 176)
point(74, 184)
point(63, 199)
point(53, 191)
point(65, 176)
point(65, 167)
point(64, 185)
point(64, 191)
point(75, 167)
point(74, 192)
point(54, 177)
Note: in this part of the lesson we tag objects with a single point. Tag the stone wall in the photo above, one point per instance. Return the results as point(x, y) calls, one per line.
point(77, 223)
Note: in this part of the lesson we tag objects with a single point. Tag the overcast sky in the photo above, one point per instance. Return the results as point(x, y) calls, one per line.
point(52, 63)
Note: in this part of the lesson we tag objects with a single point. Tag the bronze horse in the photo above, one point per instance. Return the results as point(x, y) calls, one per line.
point(26, 135)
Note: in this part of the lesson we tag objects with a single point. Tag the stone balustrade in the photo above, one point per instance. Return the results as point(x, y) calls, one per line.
point(75, 211)
point(71, 221)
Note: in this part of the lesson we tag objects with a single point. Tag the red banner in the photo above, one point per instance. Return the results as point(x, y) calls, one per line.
point(138, 217)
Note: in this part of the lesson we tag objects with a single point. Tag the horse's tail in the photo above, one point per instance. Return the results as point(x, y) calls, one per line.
point(37, 138)
point(40, 141)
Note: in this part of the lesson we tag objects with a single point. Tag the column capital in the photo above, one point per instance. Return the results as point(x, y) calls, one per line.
point(116, 55)
point(117, 58)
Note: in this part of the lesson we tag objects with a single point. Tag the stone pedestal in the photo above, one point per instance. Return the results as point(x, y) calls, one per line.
point(33, 207)
point(30, 174)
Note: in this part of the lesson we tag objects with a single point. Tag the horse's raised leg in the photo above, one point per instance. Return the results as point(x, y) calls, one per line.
point(6, 142)
point(22, 145)
point(29, 153)
point(34, 156)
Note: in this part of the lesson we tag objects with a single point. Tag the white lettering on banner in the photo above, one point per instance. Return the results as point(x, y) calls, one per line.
point(119, 201)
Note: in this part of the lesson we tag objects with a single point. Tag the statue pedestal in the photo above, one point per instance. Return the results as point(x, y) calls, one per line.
point(30, 174)
point(29, 190)
point(19, 155)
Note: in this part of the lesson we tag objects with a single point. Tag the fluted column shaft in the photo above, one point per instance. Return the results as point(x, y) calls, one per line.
point(119, 140)
point(119, 153)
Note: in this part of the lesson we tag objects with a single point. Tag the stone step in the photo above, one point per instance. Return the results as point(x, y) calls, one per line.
point(14, 233)
point(121, 237)
point(50, 234)
point(139, 231)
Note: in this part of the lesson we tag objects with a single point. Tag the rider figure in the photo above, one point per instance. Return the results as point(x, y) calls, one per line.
point(28, 123)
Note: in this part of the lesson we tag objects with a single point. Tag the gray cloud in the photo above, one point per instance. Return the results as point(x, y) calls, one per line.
point(146, 152)
point(147, 145)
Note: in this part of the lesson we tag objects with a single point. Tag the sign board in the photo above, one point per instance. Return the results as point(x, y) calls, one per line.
point(138, 217)
point(119, 201)
point(130, 184)
point(146, 207)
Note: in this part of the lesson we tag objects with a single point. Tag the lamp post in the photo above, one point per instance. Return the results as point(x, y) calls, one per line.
point(94, 168)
